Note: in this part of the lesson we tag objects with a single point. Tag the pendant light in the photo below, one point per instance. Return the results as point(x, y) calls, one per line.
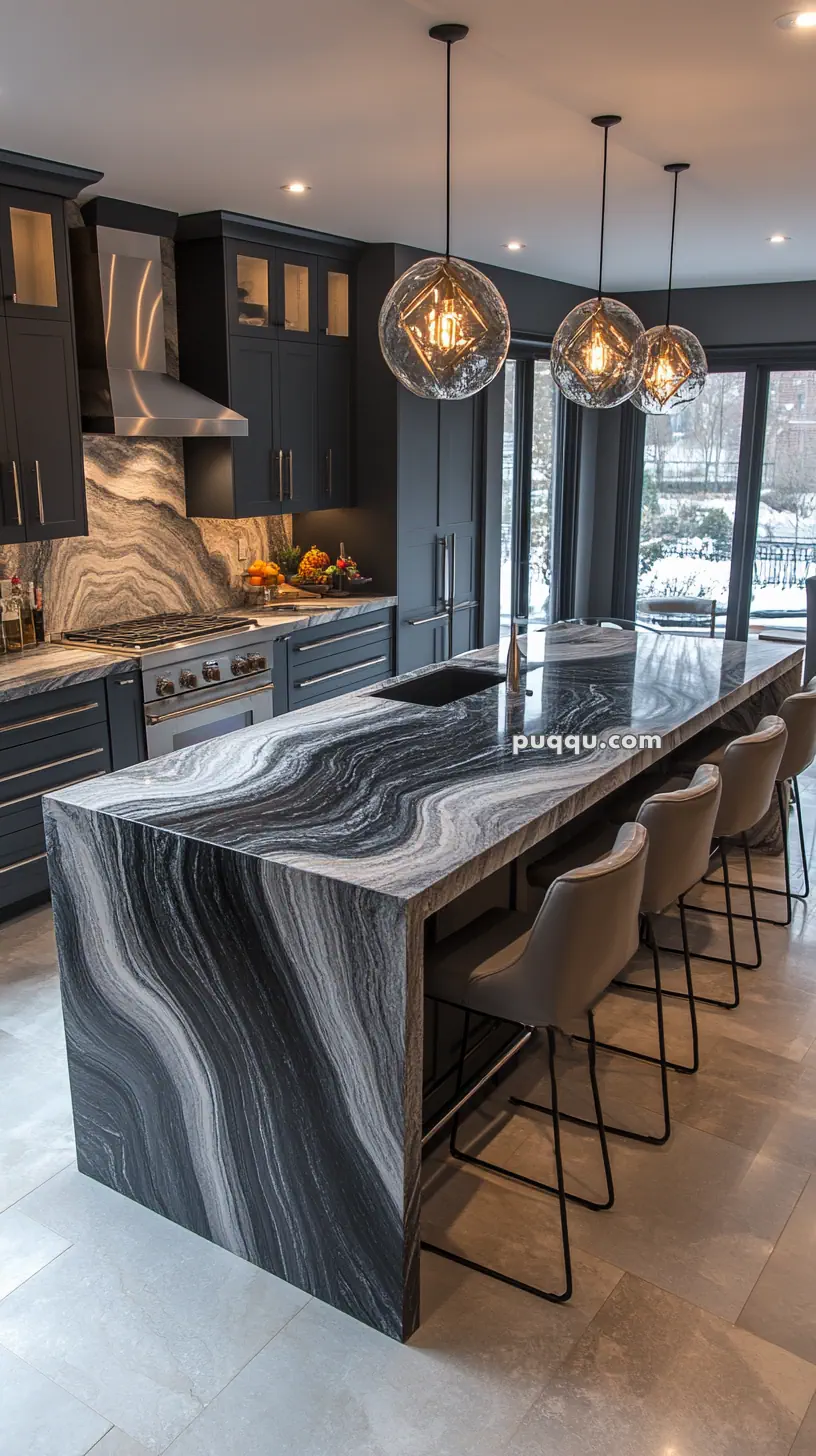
point(444, 328)
point(599, 351)
point(677, 368)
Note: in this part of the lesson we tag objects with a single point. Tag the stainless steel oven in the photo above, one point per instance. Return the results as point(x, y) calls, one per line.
point(206, 714)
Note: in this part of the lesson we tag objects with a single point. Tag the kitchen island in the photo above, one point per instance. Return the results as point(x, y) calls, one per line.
point(240, 932)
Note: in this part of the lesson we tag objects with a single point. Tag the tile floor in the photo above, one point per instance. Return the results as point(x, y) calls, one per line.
point(693, 1327)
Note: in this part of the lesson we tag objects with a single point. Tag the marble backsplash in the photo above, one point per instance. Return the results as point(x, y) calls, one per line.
point(142, 554)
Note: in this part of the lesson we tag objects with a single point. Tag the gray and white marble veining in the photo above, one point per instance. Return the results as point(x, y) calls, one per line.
point(240, 932)
point(142, 554)
point(410, 800)
point(46, 668)
point(297, 621)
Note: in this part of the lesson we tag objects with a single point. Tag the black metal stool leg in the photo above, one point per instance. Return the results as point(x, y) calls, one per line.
point(554, 1298)
point(802, 847)
point(625, 1132)
point(788, 894)
point(539, 1107)
point(720, 960)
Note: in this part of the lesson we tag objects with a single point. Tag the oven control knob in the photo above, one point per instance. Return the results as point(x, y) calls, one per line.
point(240, 665)
point(256, 662)
point(211, 672)
point(187, 679)
point(164, 686)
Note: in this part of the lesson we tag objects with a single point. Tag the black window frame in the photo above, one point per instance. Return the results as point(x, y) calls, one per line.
point(757, 363)
point(564, 488)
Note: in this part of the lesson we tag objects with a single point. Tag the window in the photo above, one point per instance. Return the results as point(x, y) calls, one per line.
point(690, 479)
point(528, 494)
point(785, 553)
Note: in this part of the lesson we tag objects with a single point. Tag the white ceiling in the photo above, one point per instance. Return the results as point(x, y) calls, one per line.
point(194, 104)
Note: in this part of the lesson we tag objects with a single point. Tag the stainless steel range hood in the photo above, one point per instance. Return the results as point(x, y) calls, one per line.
point(124, 385)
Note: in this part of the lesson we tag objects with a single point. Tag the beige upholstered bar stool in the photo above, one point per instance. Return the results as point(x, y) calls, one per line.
point(545, 977)
point(748, 770)
point(798, 713)
point(680, 823)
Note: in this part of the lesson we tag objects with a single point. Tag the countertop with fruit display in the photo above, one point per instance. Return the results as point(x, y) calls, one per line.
point(303, 589)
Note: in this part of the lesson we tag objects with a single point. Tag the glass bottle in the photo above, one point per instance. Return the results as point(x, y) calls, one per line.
point(23, 600)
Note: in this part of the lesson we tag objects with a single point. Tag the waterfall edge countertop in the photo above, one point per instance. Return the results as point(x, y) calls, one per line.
point(240, 928)
point(46, 668)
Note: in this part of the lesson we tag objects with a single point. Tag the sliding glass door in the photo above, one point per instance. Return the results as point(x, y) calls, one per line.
point(690, 483)
point(786, 536)
point(728, 501)
point(528, 490)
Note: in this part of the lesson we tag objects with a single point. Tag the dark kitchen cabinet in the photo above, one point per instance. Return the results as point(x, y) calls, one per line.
point(297, 424)
point(264, 318)
point(48, 428)
point(42, 485)
point(334, 428)
point(439, 530)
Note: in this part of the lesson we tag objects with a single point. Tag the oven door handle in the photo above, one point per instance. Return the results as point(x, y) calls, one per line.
point(153, 719)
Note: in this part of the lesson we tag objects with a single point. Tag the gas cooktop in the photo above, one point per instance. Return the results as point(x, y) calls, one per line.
point(170, 628)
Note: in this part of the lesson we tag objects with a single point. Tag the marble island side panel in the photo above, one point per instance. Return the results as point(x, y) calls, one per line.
point(244, 1053)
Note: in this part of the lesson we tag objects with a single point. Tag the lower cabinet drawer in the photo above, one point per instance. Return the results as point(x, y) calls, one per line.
point(331, 681)
point(30, 770)
point(23, 864)
point(45, 715)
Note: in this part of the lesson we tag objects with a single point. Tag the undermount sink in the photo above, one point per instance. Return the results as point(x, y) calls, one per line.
point(446, 685)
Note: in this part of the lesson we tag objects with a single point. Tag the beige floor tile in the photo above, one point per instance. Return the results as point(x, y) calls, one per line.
point(782, 1305)
point(654, 1375)
point(805, 1443)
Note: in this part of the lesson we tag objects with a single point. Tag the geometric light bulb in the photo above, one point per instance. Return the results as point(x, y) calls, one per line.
point(444, 329)
point(599, 353)
point(676, 371)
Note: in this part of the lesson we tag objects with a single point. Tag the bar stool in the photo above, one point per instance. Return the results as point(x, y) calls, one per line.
point(748, 770)
point(680, 823)
point(553, 972)
point(798, 712)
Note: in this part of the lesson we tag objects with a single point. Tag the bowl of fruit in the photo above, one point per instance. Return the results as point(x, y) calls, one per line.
point(311, 575)
point(263, 576)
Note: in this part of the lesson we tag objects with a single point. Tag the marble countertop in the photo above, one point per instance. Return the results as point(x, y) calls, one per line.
point(51, 666)
point(398, 798)
point(307, 614)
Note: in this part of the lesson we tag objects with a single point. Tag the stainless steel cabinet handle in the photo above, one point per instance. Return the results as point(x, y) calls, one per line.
point(47, 717)
point(200, 707)
point(280, 475)
point(291, 473)
point(308, 682)
point(464, 606)
point(452, 591)
point(420, 621)
point(40, 506)
point(18, 863)
point(53, 789)
point(18, 502)
point(329, 466)
point(24, 773)
point(342, 637)
point(124, 682)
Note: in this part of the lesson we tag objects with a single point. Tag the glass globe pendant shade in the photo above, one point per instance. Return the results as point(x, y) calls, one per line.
point(444, 329)
point(599, 353)
point(676, 371)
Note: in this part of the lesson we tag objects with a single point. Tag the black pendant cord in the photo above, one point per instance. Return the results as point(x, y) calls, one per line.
point(448, 158)
point(603, 211)
point(676, 168)
point(449, 34)
point(605, 122)
point(671, 254)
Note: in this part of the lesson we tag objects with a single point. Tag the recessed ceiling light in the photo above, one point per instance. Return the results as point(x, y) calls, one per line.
point(778, 238)
point(798, 20)
point(295, 187)
point(515, 247)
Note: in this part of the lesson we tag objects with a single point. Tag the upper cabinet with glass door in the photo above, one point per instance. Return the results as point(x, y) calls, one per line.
point(334, 301)
point(272, 293)
point(33, 255)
